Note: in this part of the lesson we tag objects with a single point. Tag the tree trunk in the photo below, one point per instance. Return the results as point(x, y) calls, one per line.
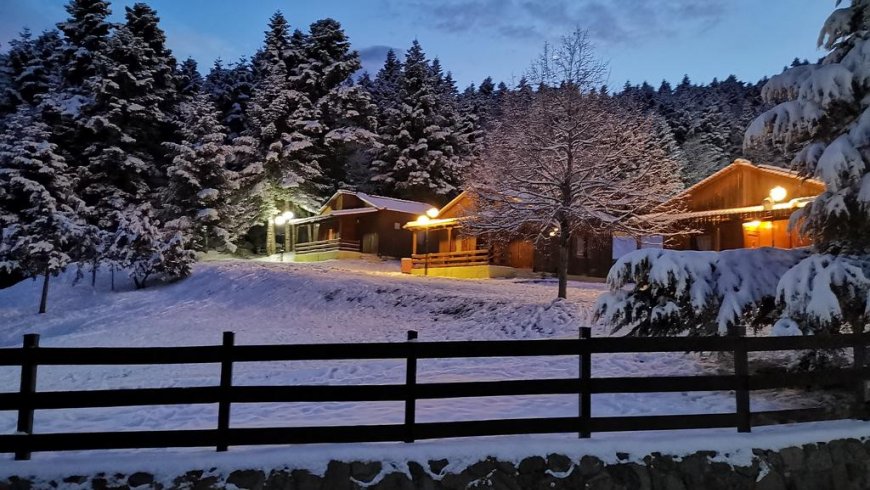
point(94, 274)
point(564, 251)
point(113, 277)
point(44, 300)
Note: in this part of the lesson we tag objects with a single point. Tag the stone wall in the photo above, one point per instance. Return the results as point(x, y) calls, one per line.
point(839, 464)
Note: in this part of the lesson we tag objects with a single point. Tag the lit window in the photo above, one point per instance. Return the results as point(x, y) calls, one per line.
point(580, 247)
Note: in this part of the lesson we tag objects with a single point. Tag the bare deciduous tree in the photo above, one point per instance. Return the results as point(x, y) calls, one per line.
point(567, 158)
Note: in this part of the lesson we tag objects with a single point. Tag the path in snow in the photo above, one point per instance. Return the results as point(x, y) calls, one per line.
point(271, 303)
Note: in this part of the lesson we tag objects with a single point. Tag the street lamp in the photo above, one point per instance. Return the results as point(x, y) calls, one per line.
point(432, 213)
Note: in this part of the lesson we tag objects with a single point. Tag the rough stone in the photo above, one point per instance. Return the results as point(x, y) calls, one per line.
point(393, 481)
point(590, 466)
point(365, 472)
point(279, 480)
point(140, 478)
point(422, 480)
point(437, 466)
point(771, 481)
point(305, 480)
point(337, 476)
point(247, 479)
point(792, 458)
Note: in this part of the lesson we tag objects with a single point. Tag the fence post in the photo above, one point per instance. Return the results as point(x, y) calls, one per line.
point(411, 387)
point(225, 389)
point(741, 370)
point(585, 377)
point(858, 364)
point(27, 388)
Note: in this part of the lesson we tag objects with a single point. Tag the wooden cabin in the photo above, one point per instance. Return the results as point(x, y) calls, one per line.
point(440, 247)
point(351, 224)
point(744, 205)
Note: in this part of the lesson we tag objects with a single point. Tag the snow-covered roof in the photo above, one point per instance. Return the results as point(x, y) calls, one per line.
point(381, 203)
point(333, 213)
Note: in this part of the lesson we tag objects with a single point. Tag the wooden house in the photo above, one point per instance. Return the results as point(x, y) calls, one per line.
point(744, 205)
point(440, 247)
point(351, 224)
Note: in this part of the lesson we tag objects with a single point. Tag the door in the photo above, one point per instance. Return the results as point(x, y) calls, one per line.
point(370, 243)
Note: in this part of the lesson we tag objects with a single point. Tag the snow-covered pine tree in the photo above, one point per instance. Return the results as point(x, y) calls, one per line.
point(189, 80)
point(385, 87)
point(86, 33)
point(825, 108)
point(418, 159)
point(231, 90)
point(41, 222)
point(199, 183)
point(33, 68)
point(334, 121)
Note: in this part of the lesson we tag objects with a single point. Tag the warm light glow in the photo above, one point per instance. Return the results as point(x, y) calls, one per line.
point(432, 213)
point(283, 218)
point(752, 224)
point(422, 219)
point(778, 194)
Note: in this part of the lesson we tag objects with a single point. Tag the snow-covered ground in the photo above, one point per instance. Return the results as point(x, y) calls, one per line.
point(352, 302)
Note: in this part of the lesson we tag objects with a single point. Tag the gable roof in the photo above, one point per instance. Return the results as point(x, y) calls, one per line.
point(770, 169)
point(382, 203)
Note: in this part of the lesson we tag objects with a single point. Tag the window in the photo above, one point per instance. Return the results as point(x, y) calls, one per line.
point(397, 226)
point(704, 242)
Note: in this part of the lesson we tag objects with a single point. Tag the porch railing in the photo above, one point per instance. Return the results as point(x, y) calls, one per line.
point(333, 245)
point(451, 259)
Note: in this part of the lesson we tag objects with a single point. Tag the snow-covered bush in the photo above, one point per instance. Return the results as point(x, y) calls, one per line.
point(672, 292)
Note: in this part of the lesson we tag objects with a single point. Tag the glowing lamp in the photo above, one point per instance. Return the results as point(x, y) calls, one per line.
point(752, 224)
point(432, 213)
point(283, 218)
point(778, 194)
point(422, 219)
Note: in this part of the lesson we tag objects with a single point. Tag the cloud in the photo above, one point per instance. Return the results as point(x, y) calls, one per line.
point(608, 22)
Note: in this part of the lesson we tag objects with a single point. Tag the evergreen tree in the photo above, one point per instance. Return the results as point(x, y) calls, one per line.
point(231, 89)
point(189, 80)
point(199, 182)
point(334, 120)
point(41, 228)
point(419, 158)
point(32, 66)
point(86, 33)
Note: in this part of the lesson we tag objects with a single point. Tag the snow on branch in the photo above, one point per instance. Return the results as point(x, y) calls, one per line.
point(666, 292)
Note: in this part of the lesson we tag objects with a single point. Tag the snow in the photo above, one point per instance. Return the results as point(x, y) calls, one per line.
point(393, 204)
point(271, 303)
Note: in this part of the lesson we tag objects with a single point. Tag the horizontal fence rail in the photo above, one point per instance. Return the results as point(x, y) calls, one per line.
point(333, 245)
point(451, 259)
point(225, 394)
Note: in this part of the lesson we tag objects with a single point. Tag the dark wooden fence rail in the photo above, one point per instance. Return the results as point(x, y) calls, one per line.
point(31, 355)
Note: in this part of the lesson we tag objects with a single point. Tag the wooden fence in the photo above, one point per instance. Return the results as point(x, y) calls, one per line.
point(31, 355)
point(333, 245)
point(451, 259)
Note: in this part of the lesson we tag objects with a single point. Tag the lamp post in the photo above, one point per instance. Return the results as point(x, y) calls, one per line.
point(279, 221)
point(431, 213)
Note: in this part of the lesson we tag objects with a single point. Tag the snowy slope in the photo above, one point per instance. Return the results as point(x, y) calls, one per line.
point(302, 303)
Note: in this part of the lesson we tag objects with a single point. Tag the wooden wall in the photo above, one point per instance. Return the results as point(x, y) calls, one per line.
point(745, 185)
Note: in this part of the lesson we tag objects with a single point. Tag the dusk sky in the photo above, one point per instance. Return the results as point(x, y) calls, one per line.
point(641, 39)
